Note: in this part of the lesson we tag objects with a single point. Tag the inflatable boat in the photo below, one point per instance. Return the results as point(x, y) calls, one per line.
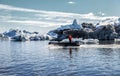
point(76, 43)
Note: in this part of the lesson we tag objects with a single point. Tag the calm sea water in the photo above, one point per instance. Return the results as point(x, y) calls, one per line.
point(39, 59)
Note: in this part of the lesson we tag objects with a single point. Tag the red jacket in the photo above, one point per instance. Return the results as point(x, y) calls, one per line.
point(70, 37)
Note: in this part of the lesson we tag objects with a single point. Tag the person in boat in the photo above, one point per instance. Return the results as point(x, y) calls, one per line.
point(70, 38)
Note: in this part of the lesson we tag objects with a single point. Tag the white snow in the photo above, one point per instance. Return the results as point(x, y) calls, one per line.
point(111, 21)
point(108, 21)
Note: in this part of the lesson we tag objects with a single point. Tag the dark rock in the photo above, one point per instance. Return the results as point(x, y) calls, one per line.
point(106, 33)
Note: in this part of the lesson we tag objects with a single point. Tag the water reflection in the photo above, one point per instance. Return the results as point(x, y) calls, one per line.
point(71, 51)
point(106, 51)
point(65, 52)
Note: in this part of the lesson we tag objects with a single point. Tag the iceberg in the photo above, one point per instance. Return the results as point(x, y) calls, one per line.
point(23, 35)
point(52, 34)
point(110, 21)
point(12, 32)
point(73, 26)
point(19, 38)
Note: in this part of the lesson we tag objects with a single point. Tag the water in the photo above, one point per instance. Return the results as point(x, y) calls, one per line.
point(39, 59)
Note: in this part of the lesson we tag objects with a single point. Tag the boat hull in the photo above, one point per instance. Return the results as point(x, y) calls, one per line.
point(65, 43)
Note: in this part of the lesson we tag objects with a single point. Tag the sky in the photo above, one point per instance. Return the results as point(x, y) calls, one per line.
point(44, 14)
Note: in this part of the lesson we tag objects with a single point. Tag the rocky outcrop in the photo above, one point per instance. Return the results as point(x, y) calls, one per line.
point(88, 25)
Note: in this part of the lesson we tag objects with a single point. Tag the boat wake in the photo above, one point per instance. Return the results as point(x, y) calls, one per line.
point(100, 46)
point(85, 46)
